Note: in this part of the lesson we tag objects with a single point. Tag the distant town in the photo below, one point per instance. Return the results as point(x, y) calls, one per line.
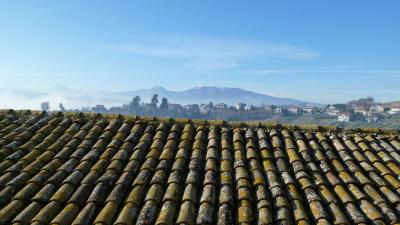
point(362, 111)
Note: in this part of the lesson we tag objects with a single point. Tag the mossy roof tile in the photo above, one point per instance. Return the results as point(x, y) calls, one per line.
point(74, 168)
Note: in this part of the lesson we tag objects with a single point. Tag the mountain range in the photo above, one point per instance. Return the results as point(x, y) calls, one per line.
point(206, 94)
point(73, 99)
point(76, 99)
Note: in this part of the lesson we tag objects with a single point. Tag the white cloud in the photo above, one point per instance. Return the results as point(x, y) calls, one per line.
point(19, 98)
point(210, 53)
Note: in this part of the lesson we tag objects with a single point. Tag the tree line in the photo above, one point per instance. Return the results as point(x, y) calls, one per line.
point(153, 108)
point(166, 109)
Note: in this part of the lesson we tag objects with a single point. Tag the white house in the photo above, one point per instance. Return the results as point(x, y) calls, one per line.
point(240, 106)
point(377, 109)
point(294, 109)
point(309, 110)
point(360, 110)
point(343, 117)
point(394, 111)
point(278, 110)
point(221, 107)
point(332, 111)
point(204, 108)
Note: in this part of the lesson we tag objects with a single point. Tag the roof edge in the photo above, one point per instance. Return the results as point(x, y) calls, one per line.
point(233, 124)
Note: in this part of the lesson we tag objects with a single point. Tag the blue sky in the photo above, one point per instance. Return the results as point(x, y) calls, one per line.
point(320, 51)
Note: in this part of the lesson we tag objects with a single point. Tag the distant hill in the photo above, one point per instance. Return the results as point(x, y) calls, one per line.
point(20, 98)
point(208, 94)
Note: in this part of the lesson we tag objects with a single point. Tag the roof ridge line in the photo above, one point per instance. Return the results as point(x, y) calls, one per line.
point(208, 122)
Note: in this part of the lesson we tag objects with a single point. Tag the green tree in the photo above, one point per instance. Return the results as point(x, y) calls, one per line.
point(135, 103)
point(154, 102)
point(164, 105)
point(61, 106)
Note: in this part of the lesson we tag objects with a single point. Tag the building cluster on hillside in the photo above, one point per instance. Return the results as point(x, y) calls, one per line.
point(359, 110)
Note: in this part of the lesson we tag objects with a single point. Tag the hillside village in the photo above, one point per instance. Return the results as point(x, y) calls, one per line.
point(363, 110)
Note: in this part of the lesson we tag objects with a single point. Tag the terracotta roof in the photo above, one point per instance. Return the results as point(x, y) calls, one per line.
point(91, 169)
